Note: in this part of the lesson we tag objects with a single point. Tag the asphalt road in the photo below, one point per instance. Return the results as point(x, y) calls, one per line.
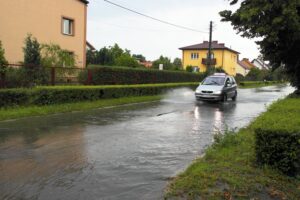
point(126, 152)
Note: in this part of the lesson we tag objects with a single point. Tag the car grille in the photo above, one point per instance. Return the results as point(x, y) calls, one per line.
point(206, 92)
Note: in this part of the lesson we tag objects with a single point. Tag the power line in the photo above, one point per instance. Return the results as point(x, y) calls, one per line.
point(153, 18)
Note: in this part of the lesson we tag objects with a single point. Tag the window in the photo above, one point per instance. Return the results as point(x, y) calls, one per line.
point(212, 55)
point(67, 26)
point(195, 56)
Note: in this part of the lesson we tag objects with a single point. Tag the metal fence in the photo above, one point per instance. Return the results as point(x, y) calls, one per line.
point(17, 75)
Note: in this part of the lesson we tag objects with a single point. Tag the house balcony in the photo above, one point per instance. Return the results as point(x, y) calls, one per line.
point(205, 61)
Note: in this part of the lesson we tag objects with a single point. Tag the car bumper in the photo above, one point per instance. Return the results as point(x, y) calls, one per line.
point(208, 97)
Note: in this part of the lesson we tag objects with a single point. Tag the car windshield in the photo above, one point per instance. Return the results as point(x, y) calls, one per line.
point(214, 81)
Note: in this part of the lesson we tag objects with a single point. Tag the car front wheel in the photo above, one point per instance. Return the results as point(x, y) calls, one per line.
point(234, 97)
point(224, 97)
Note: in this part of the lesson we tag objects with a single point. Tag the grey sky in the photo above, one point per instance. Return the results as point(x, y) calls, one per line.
point(108, 24)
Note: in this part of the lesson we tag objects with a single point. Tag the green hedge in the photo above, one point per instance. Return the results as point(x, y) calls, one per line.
point(277, 137)
point(70, 94)
point(102, 75)
point(255, 83)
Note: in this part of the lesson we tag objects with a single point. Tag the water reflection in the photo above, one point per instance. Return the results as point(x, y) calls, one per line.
point(33, 161)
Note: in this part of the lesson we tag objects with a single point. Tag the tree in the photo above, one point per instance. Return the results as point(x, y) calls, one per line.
point(127, 61)
point(277, 23)
point(3, 61)
point(32, 56)
point(165, 61)
point(177, 63)
point(54, 56)
point(34, 73)
point(139, 57)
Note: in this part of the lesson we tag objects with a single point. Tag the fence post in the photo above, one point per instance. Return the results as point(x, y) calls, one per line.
point(53, 76)
point(2, 80)
point(90, 77)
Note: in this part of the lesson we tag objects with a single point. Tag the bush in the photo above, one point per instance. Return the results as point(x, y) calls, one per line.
point(277, 134)
point(71, 94)
point(119, 76)
point(279, 149)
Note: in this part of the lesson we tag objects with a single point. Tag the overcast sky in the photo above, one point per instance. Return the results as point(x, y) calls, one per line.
point(108, 24)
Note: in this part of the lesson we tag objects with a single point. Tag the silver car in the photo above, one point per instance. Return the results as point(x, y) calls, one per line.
point(218, 87)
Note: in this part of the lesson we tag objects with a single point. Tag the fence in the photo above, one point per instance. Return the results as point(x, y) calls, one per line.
point(17, 76)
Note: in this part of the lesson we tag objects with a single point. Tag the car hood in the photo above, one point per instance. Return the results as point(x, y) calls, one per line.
point(210, 88)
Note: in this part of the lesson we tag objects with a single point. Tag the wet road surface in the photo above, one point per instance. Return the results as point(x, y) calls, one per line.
point(127, 152)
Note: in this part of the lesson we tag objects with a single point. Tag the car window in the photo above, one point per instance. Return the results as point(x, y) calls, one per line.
point(214, 81)
point(233, 80)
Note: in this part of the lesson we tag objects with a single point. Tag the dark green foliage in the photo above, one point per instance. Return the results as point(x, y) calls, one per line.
point(277, 135)
point(14, 97)
point(279, 149)
point(35, 73)
point(277, 23)
point(113, 56)
point(239, 78)
point(189, 68)
point(68, 94)
point(139, 57)
point(220, 70)
point(3, 61)
point(119, 76)
point(177, 63)
point(168, 65)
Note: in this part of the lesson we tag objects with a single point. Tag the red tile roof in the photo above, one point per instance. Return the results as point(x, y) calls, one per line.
point(205, 45)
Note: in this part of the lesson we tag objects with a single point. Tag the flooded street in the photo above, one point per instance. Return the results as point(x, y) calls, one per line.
point(127, 152)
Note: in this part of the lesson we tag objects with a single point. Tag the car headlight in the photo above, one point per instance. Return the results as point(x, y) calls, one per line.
point(198, 91)
point(218, 92)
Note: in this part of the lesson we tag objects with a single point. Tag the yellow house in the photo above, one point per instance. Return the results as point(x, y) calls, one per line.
point(222, 56)
point(61, 22)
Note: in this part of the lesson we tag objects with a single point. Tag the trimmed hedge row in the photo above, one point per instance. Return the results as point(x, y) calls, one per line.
point(277, 137)
point(70, 94)
point(120, 75)
point(256, 83)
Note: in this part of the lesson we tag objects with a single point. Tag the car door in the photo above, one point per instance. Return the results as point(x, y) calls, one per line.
point(227, 88)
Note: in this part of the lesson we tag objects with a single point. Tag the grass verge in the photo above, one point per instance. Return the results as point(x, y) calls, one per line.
point(29, 111)
point(228, 169)
point(257, 84)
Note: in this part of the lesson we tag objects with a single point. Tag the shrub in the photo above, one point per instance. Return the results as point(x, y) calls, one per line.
point(70, 94)
point(279, 149)
point(277, 137)
point(119, 76)
point(35, 73)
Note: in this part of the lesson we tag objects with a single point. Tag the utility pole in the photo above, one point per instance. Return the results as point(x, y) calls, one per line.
point(210, 46)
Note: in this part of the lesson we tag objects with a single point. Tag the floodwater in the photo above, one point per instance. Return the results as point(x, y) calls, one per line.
point(127, 152)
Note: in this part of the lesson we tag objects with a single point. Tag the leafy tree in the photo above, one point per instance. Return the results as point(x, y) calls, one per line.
point(177, 63)
point(139, 57)
point(34, 73)
point(277, 23)
point(255, 74)
point(165, 61)
point(189, 68)
point(90, 57)
point(54, 56)
point(32, 56)
point(127, 61)
point(3, 61)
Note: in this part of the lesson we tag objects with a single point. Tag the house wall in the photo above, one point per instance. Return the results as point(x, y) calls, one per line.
point(241, 70)
point(43, 19)
point(225, 59)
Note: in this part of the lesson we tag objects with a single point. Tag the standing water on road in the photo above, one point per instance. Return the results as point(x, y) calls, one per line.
point(127, 152)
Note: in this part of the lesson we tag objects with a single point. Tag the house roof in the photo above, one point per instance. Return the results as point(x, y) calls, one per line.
point(243, 65)
point(261, 63)
point(248, 63)
point(84, 1)
point(205, 45)
point(90, 46)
